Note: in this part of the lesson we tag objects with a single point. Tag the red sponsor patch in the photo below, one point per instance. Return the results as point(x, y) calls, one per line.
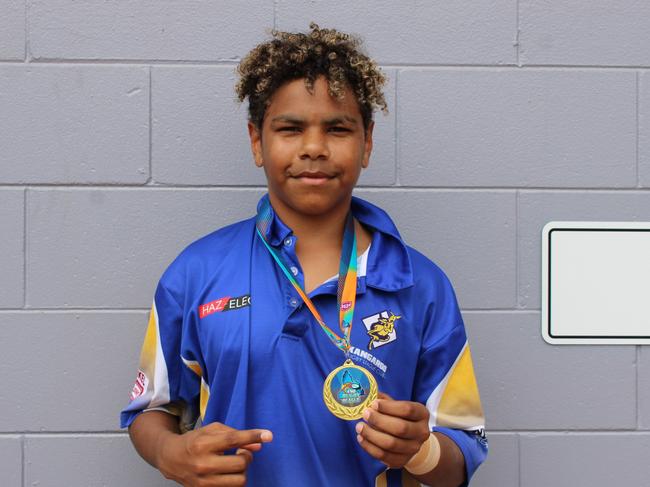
point(224, 304)
point(140, 385)
point(213, 306)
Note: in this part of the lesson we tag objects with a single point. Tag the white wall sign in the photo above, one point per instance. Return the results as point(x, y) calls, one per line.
point(596, 282)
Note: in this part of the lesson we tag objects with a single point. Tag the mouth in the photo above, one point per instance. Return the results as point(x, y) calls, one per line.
point(313, 178)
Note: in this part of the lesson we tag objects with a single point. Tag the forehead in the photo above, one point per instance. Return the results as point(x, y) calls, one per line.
point(294, 98)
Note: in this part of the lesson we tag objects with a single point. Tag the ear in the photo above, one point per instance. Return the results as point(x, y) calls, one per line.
point(368, 145)
point(255, 135)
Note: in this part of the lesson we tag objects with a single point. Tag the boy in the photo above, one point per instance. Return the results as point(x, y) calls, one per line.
point(243, 330)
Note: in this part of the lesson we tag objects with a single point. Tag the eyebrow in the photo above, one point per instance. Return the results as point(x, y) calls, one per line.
point(288, 119)
point(340, 120)
point(328, 122)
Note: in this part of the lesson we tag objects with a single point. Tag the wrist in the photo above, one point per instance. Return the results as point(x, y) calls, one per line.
point(427, 457)
point(166, 444)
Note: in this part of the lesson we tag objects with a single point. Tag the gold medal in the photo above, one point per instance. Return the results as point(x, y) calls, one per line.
point(349, 390)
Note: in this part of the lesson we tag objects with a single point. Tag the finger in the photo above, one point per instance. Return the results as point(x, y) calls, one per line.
point(413, 411)
point(252, 447)
point(227, 440)
point(246, 454)
point(228, 480)
point(383, 395)
point(388, 442)
point(220, 464)
point(389, 458)
point(396, 426)
point(214, 427)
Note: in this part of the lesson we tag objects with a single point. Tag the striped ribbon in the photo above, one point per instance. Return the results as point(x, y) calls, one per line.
point(347, 284)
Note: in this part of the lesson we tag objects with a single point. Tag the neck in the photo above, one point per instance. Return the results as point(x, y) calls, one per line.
point(315, 230)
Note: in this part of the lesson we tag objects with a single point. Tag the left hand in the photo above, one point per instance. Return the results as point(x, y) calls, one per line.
point(394, 430)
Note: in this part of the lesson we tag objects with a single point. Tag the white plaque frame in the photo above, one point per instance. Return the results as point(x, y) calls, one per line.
point(596, 283)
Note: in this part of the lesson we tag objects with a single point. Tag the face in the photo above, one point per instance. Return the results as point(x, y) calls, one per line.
point(312, 148)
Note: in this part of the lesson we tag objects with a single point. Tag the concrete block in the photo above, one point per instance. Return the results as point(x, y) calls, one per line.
point(12, 214)
point(108, 247)
point(644, 128)
point(11, 460)
point(74, 124)
point(200, 137)
point(584, 32)
point(502, 465)
point(536, 208)
point(68, 371)
point(415, 32)
point(199, 130)
point(527, 384)
point(517, 128)
point(106, 460)
point(190, 30)
point(593, 459)
point(12, 30)
point(470, 235)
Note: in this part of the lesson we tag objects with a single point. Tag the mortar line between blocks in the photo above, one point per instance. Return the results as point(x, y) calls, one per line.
point(364, 187)
point(396, 151)
point(638, 130)
point(517, 293)
point(150, 179)
point(275, 14)
point(4, 311)
point(636, 371)
point(25, 25)
point(22, 460)
point(518, 459)
point(518, 35)
point(25, 248)
point(383, 64)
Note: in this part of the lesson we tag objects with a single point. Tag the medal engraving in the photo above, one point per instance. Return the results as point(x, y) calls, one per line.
point(348, 390)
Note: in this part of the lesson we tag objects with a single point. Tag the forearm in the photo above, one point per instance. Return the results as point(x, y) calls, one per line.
point(147, 432)
point(450, 471)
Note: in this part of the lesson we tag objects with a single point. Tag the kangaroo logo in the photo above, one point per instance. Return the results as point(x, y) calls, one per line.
point(381, 328)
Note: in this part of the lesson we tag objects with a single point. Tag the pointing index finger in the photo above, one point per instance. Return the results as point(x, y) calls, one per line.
point(227, 440)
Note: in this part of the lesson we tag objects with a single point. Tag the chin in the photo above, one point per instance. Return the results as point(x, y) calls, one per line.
point(316, 206)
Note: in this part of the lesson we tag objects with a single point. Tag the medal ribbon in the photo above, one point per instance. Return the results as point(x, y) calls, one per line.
point(347, 284)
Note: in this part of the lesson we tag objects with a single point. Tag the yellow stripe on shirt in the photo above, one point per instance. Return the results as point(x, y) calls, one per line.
point(460, 404)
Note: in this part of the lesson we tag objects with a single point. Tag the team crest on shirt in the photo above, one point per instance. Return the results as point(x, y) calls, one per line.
point(381, 328)
point(140, 385)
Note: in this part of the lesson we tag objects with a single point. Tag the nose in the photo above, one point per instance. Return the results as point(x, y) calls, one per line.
point(314, 145)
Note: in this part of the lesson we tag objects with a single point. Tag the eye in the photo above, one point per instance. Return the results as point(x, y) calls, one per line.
point(339, 129)
point(289, 128)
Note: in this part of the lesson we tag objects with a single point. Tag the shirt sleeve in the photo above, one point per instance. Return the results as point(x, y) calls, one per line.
point(445, 379)
point(169, 377)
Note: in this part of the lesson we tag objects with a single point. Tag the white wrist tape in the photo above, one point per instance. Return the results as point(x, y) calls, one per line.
point(426, 459)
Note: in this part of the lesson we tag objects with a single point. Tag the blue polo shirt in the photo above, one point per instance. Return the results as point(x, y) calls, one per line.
point(229, 340)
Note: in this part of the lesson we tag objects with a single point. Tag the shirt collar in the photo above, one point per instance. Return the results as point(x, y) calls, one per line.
point(277, 231)
point(388, 265)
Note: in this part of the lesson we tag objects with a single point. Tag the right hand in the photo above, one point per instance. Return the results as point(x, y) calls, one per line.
point(196, 458)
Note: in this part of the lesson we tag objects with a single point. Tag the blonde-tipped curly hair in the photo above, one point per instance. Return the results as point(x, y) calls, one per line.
point(320, 52)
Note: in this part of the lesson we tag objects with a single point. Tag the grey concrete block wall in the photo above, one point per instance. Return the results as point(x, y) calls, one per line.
point(121, 142)
point(74, 124)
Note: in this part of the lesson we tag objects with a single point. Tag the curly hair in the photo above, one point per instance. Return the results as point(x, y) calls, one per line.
point(321, 52)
